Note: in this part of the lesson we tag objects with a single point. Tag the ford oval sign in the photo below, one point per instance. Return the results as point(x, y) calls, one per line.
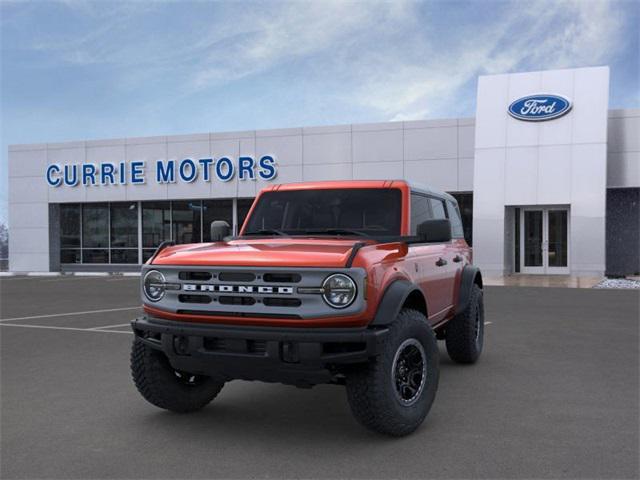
point(536, 108)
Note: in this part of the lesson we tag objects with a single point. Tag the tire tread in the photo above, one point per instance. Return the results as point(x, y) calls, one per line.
point(460, 332)
point(152, 376)
point(368, 387)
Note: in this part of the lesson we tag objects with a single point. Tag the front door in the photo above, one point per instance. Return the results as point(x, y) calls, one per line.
point(544, 245)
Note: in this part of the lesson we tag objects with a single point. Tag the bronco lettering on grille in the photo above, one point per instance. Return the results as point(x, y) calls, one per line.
point(192, 287)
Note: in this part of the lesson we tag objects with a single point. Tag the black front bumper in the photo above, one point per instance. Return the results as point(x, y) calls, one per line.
point(298, 356)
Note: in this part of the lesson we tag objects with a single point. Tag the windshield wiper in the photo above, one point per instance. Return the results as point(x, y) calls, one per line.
point(268, 231)
point(336, 231)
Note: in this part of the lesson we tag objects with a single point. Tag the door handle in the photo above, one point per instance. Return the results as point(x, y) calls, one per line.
point(457, 259)
point(441, 262)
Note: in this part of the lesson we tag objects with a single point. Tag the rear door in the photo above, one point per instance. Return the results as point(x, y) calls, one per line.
point(429, 269)
point(448, 260)
point(459, 247)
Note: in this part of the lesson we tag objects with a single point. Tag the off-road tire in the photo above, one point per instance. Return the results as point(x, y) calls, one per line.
point(371, 389)
point(163, 387)
point(464, 342)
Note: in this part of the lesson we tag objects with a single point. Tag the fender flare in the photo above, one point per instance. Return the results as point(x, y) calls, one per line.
point(470, 275)
point(392, 301)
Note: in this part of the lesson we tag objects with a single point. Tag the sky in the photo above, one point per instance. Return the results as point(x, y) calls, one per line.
point(76, 70)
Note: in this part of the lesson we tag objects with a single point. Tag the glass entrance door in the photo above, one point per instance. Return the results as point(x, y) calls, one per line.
point(544, 243)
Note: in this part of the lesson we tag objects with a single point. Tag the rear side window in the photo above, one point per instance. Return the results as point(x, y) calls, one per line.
point(437, 207)
point(455, 219)
point(420, 211)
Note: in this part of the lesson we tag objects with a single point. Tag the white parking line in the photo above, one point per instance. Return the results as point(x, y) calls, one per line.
point(488, 323)
point(49, 327)
point(111, 326)
point(88, 312)
point(70, 278)
point(19, 279)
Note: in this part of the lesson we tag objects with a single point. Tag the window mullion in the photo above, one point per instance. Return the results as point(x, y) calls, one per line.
point(234, 216)
point(109, 231)
point(201, 221)
point(81, 233)
point(139, 232)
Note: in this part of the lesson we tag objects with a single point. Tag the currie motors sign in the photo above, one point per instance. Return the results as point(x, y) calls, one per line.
point(187, 170)
point(540, 107)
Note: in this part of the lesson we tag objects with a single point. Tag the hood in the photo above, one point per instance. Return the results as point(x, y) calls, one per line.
point(272, 252)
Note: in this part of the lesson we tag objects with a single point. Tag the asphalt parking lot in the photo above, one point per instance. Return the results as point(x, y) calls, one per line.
point(554, 395)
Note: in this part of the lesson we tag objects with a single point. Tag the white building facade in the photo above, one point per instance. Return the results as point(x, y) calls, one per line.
point(547, 178)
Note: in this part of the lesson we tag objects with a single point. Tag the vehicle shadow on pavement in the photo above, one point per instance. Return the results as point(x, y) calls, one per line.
point(279, 413)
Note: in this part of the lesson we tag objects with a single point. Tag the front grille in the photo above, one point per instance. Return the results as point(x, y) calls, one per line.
point(236, 277)
point(259, 347)
point(194, 298)
point(214, 344)
point(195, 276)
point(282, 302)
point(252, 292)
point(252, 347)
point(229, 300)
point(282, 277)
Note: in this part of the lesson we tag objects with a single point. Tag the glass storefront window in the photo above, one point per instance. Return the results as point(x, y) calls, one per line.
point(124, 225)
point(124, 255)
point(95, 225)
point(147, 253)
point(215, 210)
point(108, 232)
point(70, 226)
point(156, 223)
point(244, 205)
point(91, 255)
point(70, 255)
point(186, 218)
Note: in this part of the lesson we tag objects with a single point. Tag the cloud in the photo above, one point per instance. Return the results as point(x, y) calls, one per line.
point(526, 36)
point(392, 58)
point(293, 31)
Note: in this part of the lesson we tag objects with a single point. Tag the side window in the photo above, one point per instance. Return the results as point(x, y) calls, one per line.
point(456, 222)
point(437, 207)
point(420, 211)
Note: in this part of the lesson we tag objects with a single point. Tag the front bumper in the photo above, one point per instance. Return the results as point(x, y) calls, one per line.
point(298, 356)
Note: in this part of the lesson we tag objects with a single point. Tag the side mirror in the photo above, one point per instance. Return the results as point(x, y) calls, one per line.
point(219, 230)
point(435, 231)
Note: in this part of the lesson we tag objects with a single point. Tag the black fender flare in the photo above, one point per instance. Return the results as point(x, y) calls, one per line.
point(470, 275)
point(392, 301)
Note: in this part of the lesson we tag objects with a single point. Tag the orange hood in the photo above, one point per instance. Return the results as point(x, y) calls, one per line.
point(271, 252)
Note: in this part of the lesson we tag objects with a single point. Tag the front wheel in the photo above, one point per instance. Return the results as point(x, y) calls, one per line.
point(394, 393)
point(163, 386)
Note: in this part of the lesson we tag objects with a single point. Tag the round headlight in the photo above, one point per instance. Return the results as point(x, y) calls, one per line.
point(339, 290)
point(153, 285)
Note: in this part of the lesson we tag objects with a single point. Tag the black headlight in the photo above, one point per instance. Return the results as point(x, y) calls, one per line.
point(153, 285)
point(339, 290)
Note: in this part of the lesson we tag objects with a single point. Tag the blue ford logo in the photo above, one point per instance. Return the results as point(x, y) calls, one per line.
point(536, 108)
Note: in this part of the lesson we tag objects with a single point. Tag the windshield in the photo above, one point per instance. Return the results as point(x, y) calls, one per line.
point(366, 211)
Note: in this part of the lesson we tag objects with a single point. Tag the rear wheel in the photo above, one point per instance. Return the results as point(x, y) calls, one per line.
point(465, 333)
point(393, 393)
point(163, 386)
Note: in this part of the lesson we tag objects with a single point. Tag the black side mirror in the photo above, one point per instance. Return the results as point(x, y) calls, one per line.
point(219, 230)
point(435, 231)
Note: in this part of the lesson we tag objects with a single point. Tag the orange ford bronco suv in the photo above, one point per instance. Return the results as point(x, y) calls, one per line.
point(346, 282)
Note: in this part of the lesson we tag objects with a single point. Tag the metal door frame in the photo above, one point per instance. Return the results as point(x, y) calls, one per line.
point(545, 269)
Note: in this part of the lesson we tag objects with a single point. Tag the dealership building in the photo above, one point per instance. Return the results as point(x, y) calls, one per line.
point(546, 175)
